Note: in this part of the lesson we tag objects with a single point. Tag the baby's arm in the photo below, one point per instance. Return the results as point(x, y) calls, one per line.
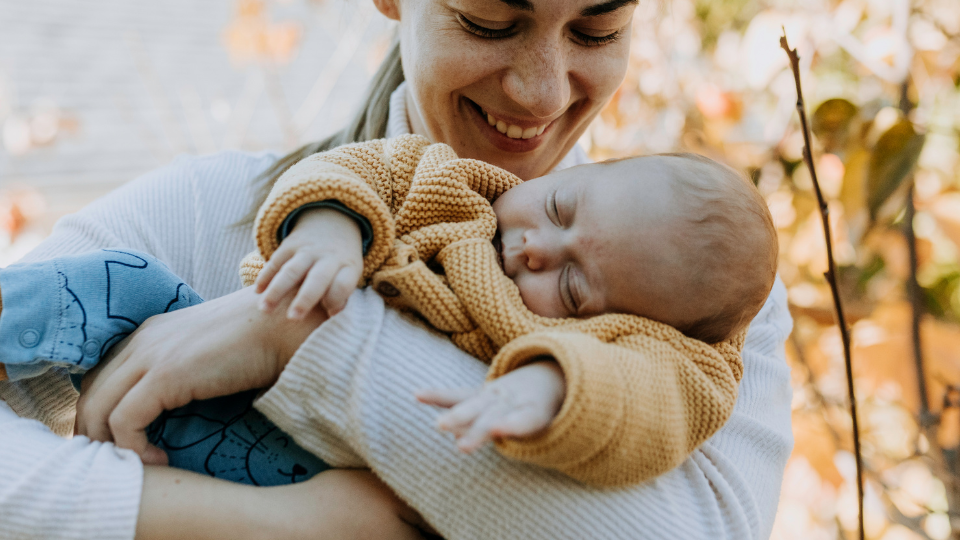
point(519, 404)
point(362, 180)
point(632, 409)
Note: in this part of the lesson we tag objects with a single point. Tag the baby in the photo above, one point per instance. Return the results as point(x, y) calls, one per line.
point(586, 259)
point(609, 399)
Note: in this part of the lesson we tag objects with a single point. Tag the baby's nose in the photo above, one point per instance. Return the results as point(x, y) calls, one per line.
point(538, 251)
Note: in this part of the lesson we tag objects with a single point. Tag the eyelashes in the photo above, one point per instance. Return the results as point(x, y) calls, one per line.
point(483, 31)
point(501, 33)
point(565, 293)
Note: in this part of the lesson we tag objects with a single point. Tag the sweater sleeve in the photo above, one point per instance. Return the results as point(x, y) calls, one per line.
point(360, 176)
point(353, 380)
point(53, 488)
point(635, 408)
point(182, 214)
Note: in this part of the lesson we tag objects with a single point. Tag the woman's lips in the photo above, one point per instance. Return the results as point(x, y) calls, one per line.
point(501, 140)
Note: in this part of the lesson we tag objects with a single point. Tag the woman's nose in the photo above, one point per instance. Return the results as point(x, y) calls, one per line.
point(539, 80)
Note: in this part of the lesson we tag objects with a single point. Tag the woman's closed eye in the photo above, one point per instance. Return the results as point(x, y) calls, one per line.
point(589, 40)
point(501, 30)
point(486, 29)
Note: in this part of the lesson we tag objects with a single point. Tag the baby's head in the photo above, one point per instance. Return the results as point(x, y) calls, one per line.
point(677, 238)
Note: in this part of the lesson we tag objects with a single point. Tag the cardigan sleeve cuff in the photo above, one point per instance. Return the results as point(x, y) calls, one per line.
point(313, 180)
point(366, 230)
point(592, 413)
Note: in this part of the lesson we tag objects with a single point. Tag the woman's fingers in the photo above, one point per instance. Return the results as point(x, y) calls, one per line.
point(98, 401)
point(141, 405)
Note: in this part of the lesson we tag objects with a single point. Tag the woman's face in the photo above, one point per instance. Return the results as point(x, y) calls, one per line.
point(511, 82)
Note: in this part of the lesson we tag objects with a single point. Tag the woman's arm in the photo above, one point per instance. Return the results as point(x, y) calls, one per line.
point(341, 504)
point(355, 377)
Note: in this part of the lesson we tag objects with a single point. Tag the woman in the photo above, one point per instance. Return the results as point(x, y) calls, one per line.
point(346, 392)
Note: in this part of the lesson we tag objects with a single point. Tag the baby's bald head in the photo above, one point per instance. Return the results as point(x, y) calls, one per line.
point(726, 245)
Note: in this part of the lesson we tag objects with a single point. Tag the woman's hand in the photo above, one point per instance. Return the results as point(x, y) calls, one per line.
point(217, 348)
point(341, 504)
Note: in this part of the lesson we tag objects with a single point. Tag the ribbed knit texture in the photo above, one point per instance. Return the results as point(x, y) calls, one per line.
point(347, 396)
point(641, 396)
point(55, 488)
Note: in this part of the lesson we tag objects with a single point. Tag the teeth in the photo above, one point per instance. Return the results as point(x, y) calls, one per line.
point(515, 132)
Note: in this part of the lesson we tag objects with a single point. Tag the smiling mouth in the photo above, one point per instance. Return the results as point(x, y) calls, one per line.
point(510, 130)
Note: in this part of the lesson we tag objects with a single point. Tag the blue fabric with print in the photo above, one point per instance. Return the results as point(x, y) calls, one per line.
point(66, 313)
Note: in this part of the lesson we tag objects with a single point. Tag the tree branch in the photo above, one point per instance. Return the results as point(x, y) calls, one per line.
point(830, 274)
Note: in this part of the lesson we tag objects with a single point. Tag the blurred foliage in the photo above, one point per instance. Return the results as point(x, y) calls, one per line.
point(882, 84)
point(708, 76)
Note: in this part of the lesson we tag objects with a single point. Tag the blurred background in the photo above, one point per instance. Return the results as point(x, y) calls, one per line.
point(94, 93)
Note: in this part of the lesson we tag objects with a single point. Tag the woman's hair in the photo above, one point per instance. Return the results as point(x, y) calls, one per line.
point(369, 123)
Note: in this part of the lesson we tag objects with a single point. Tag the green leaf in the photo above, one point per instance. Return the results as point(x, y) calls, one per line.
point(832, 119)
point(831, 122)
point(891, 160)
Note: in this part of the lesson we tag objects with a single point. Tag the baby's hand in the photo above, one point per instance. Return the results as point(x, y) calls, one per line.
point(323, 255)
point(521, 403)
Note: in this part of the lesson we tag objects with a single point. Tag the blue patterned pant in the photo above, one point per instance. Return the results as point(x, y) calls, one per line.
point(66, 313)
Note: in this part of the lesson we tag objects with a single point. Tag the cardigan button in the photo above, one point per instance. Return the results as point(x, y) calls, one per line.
point(29, 339)
point(387, 289)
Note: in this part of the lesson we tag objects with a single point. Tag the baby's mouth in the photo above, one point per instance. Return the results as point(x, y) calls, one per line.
point(498, 245)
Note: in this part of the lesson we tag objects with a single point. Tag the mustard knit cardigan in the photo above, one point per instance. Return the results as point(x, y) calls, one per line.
point(641, 396)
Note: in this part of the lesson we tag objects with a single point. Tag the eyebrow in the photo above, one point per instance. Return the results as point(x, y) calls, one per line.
point(523, 5)
point(606, 7)
point(592, 11)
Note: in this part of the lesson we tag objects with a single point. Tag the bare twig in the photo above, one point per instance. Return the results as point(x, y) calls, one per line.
point(914, 292)
point(830, 275)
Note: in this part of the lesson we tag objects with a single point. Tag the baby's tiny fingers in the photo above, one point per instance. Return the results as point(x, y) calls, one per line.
point(464, 414)
point(339, 292)
point(313, 289)
point(287, 278)
point(445, 397)
point(520, 423)
point(270, 269)
point(479, 434)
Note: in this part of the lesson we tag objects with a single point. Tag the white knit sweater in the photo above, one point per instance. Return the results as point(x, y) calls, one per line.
point(348, 396)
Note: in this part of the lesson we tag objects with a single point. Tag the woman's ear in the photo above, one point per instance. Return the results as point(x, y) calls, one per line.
point(390, 8)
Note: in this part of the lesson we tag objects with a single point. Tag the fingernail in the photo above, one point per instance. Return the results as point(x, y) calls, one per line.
point(295, 313)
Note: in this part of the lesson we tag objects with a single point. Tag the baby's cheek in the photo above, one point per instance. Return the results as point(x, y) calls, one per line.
point(541, 294)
